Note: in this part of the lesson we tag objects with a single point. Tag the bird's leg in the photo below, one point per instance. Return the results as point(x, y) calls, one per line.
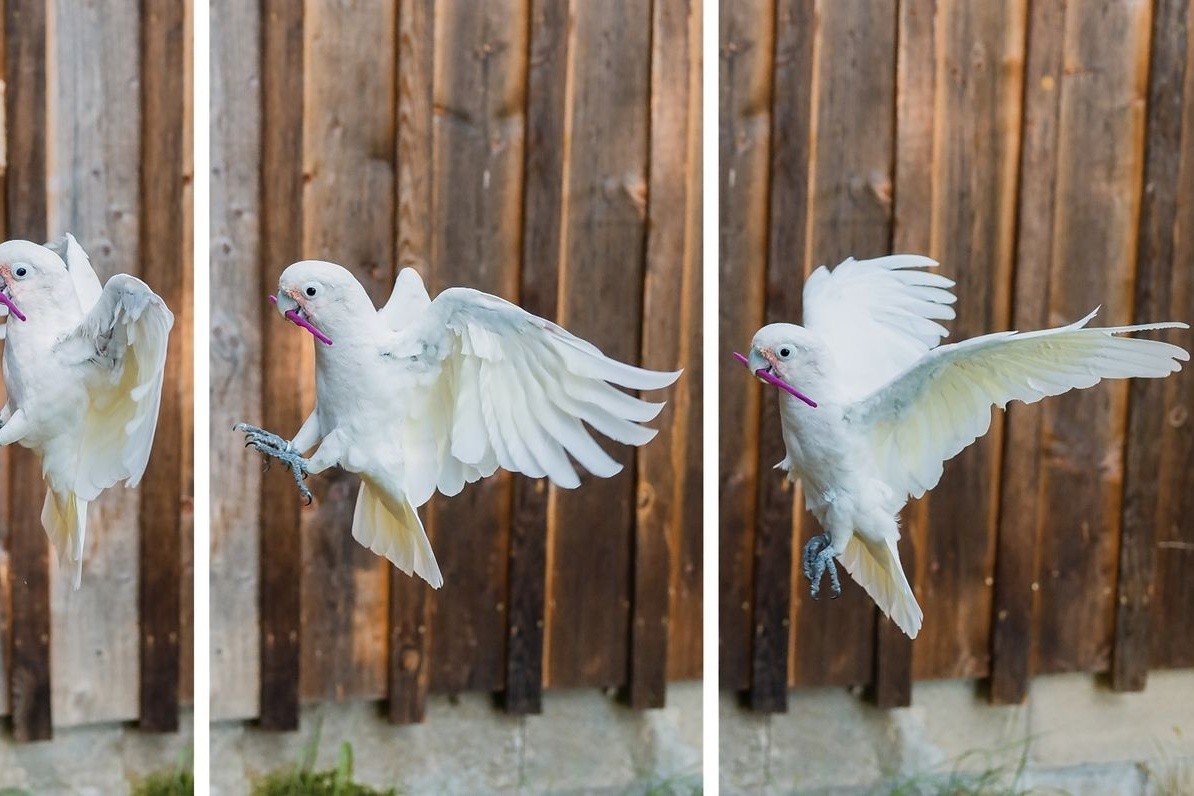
point(817, 558)
point(274, 446)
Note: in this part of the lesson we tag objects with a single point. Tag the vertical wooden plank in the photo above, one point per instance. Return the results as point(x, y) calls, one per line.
point(851, 164)
point(744, 137)
point(661, 466)
point(93, 141)
point(163, 109)
point(1152, 431)
point(978, 98)
point(282, 179)
point(186, 319)
point(1017, 544)
point(480, 101)
point(348, 208)
point(409, 667)
point(25, 110)
point(5, 569)
point(605, 185)
point(543, 208)
point(791, 143)
point(1100, 166)
point(1174, 589)
point(685, 605)
point(237, 345)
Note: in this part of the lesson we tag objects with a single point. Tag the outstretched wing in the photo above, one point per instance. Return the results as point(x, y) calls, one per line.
point(121, 342)
point(930, 413)
point(495, 386)
point(78, 265)
point(878, 316)
point(408, 301)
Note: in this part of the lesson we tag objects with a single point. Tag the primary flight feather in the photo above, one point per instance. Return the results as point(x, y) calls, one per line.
point(875, 406)
point(83, 369)
point(424, 396)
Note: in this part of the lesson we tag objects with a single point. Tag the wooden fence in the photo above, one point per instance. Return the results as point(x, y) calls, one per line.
point(1043, 152)
point(96, 137)
point(545, 151)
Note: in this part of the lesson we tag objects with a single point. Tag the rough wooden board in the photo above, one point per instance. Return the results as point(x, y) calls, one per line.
point(1149, 418)
point(587, 617)
point(744, 135)
point(1017, 546)
point(479, 132)
point(280, 574)
point(237, 312)
point(5, 570)
point(186, 318)
point(25, 81)
point(1100, 166)
point(349, 218)
point(93, 154)
point(163, 27)
point(543, 209)
point(972, 224)
point(850, 212)
point(409, 667)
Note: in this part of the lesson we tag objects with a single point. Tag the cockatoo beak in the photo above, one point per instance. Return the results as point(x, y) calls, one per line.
point(761, 367)
point(291, 310)
point(5, 298)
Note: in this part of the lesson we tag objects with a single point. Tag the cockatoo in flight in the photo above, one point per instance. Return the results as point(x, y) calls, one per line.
point(425, 395)
point(874, 406)
point(83, 369)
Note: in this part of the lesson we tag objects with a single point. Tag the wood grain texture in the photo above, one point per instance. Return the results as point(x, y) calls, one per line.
point(744, 137)
point(409, 666)
point(606, 185)
point(282, 545)
point(543, 208)
point(163, 28)
point(1151, 404)
point(94, 150)
point(26, 200)
point(348, 218)
point(5, 563)
point(660, 464)
point(236, 355)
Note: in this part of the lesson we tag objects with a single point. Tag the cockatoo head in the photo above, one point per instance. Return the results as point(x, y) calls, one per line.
point(791, 353)
point(323, 298)
point(33, 279)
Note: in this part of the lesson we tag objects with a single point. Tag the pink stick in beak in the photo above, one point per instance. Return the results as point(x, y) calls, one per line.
point(297, 320)
point(7, 302)
point(771, 378)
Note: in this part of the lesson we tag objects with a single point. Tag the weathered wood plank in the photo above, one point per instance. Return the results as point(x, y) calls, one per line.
point(479, 132)
point(237, 346)
point(1017, 546)
point(93, 152)
point(1149, 417)
point(661, 465)
point(5, 570)
point(606, 168)
point(282, 178)
point(409, 666)
point(744, 136)
point(163, 27)
point(348, 218)
point(543, 208)
point(186, 320)
point(851, 164)
point(25, 113)
point(1099, 173)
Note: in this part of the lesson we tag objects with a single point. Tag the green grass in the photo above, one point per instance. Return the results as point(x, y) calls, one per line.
point(302, 779)
point(179, 781)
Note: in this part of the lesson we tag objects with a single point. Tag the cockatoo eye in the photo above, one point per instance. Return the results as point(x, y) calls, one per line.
point(21, 272)
point(785, 352)
point(311, 290)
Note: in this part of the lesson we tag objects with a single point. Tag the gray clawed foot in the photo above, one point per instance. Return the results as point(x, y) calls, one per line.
point(275, 447)
point(815, 561)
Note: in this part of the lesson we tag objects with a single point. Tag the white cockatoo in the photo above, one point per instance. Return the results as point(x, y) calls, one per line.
point(429, 395)
point(83, 368)
point(874, 407)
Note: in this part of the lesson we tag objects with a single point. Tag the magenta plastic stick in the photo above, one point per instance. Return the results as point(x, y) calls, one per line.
point(12, 307)
point(771, 378)
point(299, 320)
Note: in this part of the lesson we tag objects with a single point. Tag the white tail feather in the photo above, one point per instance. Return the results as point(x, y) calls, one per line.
point(64, 516)
point(392, 529)
point(876, 567)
